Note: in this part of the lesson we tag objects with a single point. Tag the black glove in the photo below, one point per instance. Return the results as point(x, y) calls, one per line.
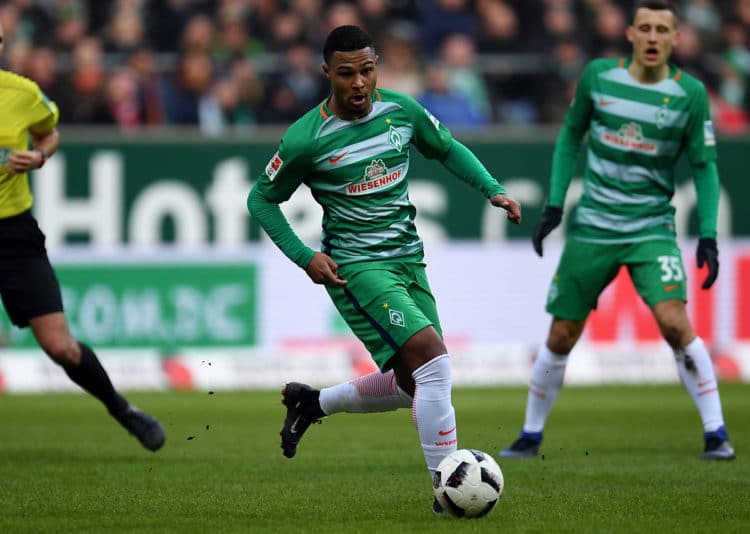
point(551, 217)
point(709, 254)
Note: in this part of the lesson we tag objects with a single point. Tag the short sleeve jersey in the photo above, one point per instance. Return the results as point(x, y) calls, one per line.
point(24, 109)
point(637, 132)
point(357, 171)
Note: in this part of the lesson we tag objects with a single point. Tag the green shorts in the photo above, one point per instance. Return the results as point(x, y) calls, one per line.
point(585, 269)
point(385, 304)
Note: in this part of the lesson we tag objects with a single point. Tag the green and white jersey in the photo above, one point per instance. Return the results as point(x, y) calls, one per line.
point(357, 171)
point(637, 132)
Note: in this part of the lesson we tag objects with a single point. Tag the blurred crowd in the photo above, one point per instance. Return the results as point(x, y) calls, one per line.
point(230, 65)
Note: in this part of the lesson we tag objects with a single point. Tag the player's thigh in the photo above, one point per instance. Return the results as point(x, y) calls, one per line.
point(378, 307)
point(657, 271)
point(583, 272)
point(28, 284)
point(421, 292)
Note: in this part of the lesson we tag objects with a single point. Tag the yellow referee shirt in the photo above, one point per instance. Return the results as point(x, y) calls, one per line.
point(23, 109)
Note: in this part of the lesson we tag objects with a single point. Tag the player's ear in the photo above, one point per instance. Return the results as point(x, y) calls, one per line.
point(629, 33)
point(676, 38)
point(326, 70)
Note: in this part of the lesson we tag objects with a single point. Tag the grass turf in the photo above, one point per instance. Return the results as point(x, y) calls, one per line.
point(615, 459)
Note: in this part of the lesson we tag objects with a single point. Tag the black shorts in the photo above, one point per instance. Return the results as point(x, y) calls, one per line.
point(28, 285)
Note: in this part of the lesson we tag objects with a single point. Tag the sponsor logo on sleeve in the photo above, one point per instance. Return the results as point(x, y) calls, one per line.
point(273, 166)
point(708, 134)
point(433, 119)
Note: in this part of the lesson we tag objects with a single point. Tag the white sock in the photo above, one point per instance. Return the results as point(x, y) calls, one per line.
point(432, 410)
point(376, 392)
point(697, 374)
point(546, 381)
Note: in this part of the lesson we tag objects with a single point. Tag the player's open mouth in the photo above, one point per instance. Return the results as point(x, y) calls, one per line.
point(651, 53)
point(358, 100)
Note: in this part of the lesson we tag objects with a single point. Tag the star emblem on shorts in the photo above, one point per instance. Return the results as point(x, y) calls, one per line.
point(385, 305)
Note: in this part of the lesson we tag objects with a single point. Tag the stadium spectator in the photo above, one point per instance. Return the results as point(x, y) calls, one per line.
point(452, 107)
point(28, 285)
point(182, 93)
point(442, 18)
point(371, 263)
point(515, 39)
point(400, 62)
point(609, 32)
point(459, 57)
point(85, 83)
point(143, 65)
point(624, 218)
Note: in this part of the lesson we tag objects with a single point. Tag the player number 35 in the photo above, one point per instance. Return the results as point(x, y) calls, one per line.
point(671, 268)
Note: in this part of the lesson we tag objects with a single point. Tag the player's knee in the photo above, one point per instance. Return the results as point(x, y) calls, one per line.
point(675, 334)
point(563, 336)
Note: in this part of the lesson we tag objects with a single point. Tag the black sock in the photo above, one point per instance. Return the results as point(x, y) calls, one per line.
point(92, 377)
point(314, 409)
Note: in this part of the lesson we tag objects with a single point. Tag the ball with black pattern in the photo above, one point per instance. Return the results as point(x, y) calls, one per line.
point(468, 483)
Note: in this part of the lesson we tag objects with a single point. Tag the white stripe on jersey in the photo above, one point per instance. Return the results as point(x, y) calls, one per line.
point(632, 109)
point(362, 151)
point(628, 173)
point(369, 213)
point(607, 195)
point(667, 86)
point(334, 124)
point(619, 223)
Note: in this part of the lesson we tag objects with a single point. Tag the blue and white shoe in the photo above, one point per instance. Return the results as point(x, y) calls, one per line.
point(526, 446)
point(718, 446)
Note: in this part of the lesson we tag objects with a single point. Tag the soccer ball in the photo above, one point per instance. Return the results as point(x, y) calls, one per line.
point(468, 483)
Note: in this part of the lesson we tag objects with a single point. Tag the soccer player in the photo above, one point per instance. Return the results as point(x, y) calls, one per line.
point(28, 285)
point(641, 113)
point(352, 151)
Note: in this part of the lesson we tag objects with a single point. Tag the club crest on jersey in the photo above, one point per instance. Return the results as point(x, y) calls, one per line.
point(629, 137)
point(395, 138)
point(397, 318)
point(708, 133)
point(273, 166)
point(376, 177)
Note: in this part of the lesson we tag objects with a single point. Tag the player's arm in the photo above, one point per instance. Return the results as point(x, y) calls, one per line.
point(565, 159)
point(282, 176)
point(569, 141)
point(42, 115)
point(701, 148)
point(45, 144)
point(434, 141)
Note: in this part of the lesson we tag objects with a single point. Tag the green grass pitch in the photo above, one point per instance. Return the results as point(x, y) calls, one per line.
point(616, 459)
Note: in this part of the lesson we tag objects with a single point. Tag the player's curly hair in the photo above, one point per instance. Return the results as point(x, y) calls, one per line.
point(346, 39)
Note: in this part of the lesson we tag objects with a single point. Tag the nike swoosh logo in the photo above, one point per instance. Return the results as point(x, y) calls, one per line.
point(293, 428)
point(446, 432)
point(704, 383)
point(334, 160)
point(672, 287)
point(603, 103)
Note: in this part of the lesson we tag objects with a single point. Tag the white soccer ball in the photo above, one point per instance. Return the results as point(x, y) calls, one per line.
point(469, 483)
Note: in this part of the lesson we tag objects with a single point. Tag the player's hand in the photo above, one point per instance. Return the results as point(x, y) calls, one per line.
point(323, 270)
point(708, 253)
point(508, 204)
point(23, 161)
point(551, 217)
